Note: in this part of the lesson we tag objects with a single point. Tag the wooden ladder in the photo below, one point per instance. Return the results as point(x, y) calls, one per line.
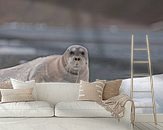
point(148, 62)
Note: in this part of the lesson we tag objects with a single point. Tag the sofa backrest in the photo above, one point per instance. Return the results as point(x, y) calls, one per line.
point(56, 92)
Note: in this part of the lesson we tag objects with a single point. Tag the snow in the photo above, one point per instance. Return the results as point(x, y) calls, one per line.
point(142, 84)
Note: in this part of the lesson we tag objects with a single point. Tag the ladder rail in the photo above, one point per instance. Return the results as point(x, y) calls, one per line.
point(132, 59)
point(151, 79)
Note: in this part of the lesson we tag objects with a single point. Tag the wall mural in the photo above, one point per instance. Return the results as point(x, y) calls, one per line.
point(32, 41)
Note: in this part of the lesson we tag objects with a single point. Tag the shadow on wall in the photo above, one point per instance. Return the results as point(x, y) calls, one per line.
point(135, 12)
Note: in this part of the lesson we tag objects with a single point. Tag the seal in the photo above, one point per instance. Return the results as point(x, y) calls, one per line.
point(72, 66)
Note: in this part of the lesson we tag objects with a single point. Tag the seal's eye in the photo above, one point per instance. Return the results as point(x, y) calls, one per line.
point(72, 53)
point(82, 53)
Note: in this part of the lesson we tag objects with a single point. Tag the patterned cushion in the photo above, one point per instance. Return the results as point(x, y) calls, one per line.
point(91, 91)
point(16, 95)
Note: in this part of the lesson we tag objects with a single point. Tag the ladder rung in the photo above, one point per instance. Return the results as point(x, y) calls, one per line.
point(140, 49)
point(143, 106)
point(141, 74)
point(140, 62)
point(142, 91)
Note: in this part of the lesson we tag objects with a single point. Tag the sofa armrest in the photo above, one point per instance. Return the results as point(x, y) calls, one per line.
point(127, 116)
point(127, 112)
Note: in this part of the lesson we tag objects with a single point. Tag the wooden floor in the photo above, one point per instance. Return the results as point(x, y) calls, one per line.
point(148, 126)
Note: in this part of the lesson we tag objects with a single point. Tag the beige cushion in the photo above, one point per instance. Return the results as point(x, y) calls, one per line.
point(17, 84)
point(111, 88)
point(91, 91)
point(5, 85)
point(16, 95)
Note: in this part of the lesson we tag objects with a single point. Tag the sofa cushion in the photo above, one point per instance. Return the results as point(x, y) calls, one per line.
point(80, 109)
point(26, 109)
point(17, 84)
point(16, 95)
point(55, 92)
point(5, 85)
point(91, 91)
point(111, 88)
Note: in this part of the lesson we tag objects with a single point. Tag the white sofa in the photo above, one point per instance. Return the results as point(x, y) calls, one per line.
point(63, 113)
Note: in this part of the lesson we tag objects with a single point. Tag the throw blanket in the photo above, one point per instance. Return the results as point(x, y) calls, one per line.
point(116, 105)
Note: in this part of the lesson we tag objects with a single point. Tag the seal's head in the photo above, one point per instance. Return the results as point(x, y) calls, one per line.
point(76, 57)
